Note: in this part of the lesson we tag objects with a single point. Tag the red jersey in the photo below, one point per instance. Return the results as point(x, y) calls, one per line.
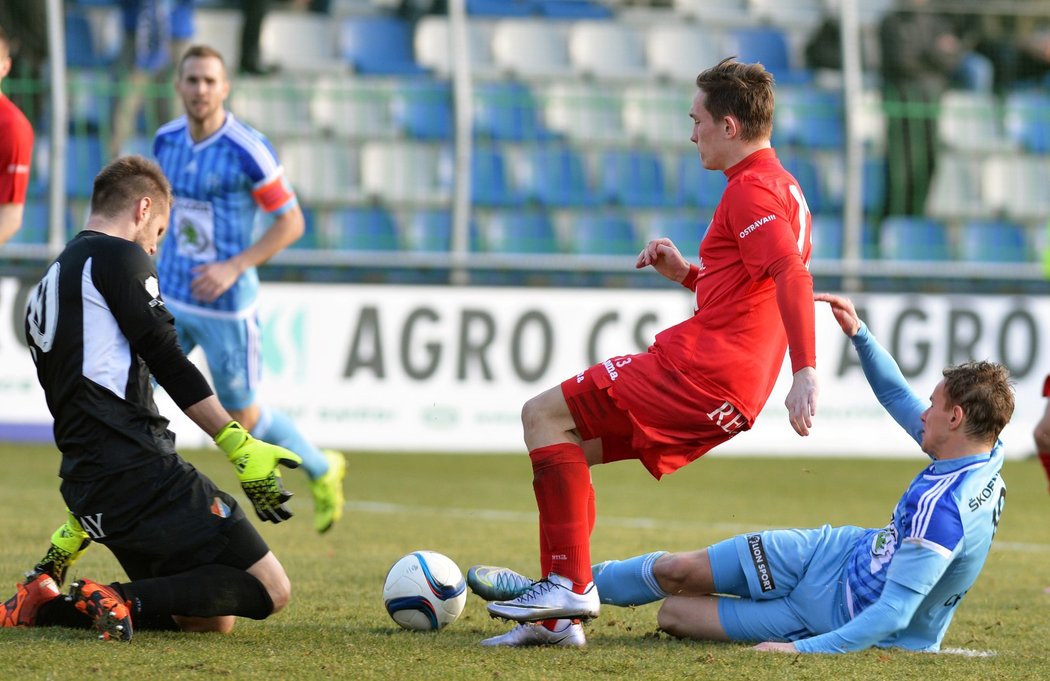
point(16, 149)
point(754, 296)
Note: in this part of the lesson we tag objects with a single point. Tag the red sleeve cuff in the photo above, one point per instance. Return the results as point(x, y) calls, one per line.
point(690, 279)
point(1046, 386)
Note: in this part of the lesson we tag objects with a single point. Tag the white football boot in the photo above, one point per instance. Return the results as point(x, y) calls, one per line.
point(549, 599)
point(565, 633)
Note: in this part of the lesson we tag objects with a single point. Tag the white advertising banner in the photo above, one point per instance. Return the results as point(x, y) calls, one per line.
point(395, 368)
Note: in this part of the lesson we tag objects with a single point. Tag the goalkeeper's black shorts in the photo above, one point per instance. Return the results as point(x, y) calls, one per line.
point(163, 518)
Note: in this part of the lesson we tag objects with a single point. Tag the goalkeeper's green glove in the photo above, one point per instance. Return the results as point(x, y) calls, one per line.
point(68, 543)
point(256, 463)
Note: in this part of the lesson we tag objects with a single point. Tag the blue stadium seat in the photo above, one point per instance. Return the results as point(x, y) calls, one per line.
point(914, 238)
point(698, 186)
point(554, 175)
point(83, 161)
point(829, 238)
point(873, 184)
point(769, 46)
point(361, 229)
point(501, 8)
point(81, 50)
point(520, 232)
point(572, 9)
point(809, 117)
point(34, 223)
point(633, 178)
point(507, 111)
point(423, 108)
point(803, 169)
point(1027, 120)
point(430, 231)
point(490, 184)
point(994, 241)
point(604, 234)
point(685, 230)
point(378, 45)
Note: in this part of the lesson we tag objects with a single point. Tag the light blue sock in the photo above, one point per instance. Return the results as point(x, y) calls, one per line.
point(275, 427)
point(628, 582)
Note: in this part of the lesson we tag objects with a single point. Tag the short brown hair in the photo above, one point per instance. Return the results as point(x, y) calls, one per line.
point(126, 180)
point(986, 395)
point(6, 48)
point(200, 52)
point(744, 91)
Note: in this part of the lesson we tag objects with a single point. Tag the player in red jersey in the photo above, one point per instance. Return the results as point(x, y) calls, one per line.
point(704, 380)
point(1042, 433)
point(16, 148)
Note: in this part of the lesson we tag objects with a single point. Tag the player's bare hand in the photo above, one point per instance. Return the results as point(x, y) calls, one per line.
point(845, 313)
point(776, 647)
point(801, 401)
point(664, 257)
point(213, 279)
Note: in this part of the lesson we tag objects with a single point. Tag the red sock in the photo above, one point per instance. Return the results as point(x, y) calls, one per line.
point(1044, 457)
point(592, 511)
point(561, 480)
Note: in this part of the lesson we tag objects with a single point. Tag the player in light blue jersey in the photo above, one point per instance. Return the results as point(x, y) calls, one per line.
point(222, 171)
point(836, 589)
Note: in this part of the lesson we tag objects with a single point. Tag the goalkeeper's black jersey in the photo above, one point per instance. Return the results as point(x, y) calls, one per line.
point(83, 319)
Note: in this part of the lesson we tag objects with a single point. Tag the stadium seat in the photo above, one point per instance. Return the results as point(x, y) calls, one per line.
point(84, 158)
point(800, 17)
point(633, 178)
point(359, 229)
point(357, 108)
point(301, 42)
point(34, 229)
point(679, 52)
point(769, 46)
point(684, 229)
point(520, 232)
point(584, 112)
point(572, 9)
point(829, 238)
point(806, 171)
point(423, 108)
point(81, 49)
point(490, 181)
point(809, 117)
point(276, 106)
point(430, 231)
point(405, 172)
point(507, 111)
point(658, 113)
point(434, 47)
point(221, 29)
point(378, 45)
point(1027, 120)
point(530, 49)
point(606, 50)
point(970, 121)
point(322, 173)
point(914, 238)
point(554, 175)
point(994, 241)
point(91, 95)
point(501, 8)
point(722, 14)
point(956, 192)
point(603, 234)
point(1015, 186)
point(698, 186)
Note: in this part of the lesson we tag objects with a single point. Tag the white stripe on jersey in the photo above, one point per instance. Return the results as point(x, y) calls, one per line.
point(107, 355)
point(255, 147)
point(927, 544)
point(172, 126)
point(254, 355)
point(927, 502)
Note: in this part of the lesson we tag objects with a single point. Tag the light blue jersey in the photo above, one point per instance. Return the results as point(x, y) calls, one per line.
point(937, 540)
point(218, 184)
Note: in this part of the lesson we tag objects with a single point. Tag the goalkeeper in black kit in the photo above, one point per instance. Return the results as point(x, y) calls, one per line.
point(97, 329)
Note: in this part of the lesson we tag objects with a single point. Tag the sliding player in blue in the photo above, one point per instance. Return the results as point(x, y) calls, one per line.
point(837, 589)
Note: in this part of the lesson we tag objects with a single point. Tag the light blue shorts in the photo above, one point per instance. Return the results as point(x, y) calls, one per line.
point(234, 353)
point(790, 583)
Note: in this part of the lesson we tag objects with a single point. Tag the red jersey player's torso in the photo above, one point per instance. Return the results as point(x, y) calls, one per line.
point(734, 343)
point(16, 148)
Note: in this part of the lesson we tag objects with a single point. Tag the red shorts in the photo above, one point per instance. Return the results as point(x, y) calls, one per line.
point(640, 407)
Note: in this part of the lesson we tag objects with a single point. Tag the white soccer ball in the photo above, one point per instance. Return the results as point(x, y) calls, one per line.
point(424, 591)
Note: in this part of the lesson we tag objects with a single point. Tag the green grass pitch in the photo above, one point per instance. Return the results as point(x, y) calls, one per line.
point(479, 509)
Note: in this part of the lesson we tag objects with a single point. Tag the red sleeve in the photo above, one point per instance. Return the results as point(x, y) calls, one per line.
point(764, 226)
point(16, 150)
point(795, 300)
point(1046, 386)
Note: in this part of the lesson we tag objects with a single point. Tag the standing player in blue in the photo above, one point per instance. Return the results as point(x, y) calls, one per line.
point(838, 589)
point(221, 171)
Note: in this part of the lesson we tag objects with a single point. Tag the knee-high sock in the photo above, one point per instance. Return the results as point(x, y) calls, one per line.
point(1044, 457)
point(207, 591)
point(545, 552)
point(628, 582)
point(276, 427)
point(561, 480)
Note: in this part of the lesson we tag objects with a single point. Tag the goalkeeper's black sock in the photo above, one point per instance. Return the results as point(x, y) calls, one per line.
point(207, 591)
point(59, 612)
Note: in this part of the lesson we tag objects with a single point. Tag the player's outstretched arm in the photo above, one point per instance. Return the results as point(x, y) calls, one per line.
point(664, 257)
point(844, 311)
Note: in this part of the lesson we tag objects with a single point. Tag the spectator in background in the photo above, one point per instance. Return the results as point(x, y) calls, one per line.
point(156, 32)
point(254, 12)
point(920, 54)
point(16, 149)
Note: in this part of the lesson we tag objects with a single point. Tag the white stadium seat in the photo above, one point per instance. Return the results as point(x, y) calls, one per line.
point(530, 49)
point(607, 50)
point(679, 53)
point(413, 173)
